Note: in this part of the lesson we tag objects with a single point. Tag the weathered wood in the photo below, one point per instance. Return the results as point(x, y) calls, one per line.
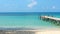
point(51, 19)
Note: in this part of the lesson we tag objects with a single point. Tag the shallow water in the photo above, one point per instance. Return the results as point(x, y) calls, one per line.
point(30, 20)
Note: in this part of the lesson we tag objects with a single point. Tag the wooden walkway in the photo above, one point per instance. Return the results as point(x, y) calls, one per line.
point(51, 19)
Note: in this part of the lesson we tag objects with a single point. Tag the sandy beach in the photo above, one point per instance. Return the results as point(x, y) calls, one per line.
point(39, 31)
point(49, 31)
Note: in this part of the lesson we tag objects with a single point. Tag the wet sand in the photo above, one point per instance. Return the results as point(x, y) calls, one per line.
point(38, 31)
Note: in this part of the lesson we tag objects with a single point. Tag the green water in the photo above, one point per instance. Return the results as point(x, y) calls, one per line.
point(24, 21)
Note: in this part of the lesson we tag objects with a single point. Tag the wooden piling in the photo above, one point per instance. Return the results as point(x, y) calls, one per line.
point(51, 19)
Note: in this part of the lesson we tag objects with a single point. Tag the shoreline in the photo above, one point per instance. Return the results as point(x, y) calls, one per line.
point(35, 31)
point(29, 28)
point(36, 27)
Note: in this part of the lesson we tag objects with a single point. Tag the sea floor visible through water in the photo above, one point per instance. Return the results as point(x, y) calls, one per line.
point(30, 21)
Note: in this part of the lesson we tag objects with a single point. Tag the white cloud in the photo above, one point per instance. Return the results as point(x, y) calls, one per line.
point(32, 4)
point(53, 7)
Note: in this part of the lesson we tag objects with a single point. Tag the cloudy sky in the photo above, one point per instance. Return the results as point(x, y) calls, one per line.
point(29, 5)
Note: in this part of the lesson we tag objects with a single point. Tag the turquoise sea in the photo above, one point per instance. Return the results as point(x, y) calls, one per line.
point(26, 19)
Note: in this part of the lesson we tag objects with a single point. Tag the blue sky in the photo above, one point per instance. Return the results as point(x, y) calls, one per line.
point(29, 5)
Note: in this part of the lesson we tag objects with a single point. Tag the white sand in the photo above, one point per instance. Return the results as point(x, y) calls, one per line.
point(49, 32)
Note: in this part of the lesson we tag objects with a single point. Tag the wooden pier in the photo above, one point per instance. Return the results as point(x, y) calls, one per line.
point(51, 19)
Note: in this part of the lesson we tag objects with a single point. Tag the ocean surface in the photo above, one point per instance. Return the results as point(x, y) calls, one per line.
point(26, 19)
